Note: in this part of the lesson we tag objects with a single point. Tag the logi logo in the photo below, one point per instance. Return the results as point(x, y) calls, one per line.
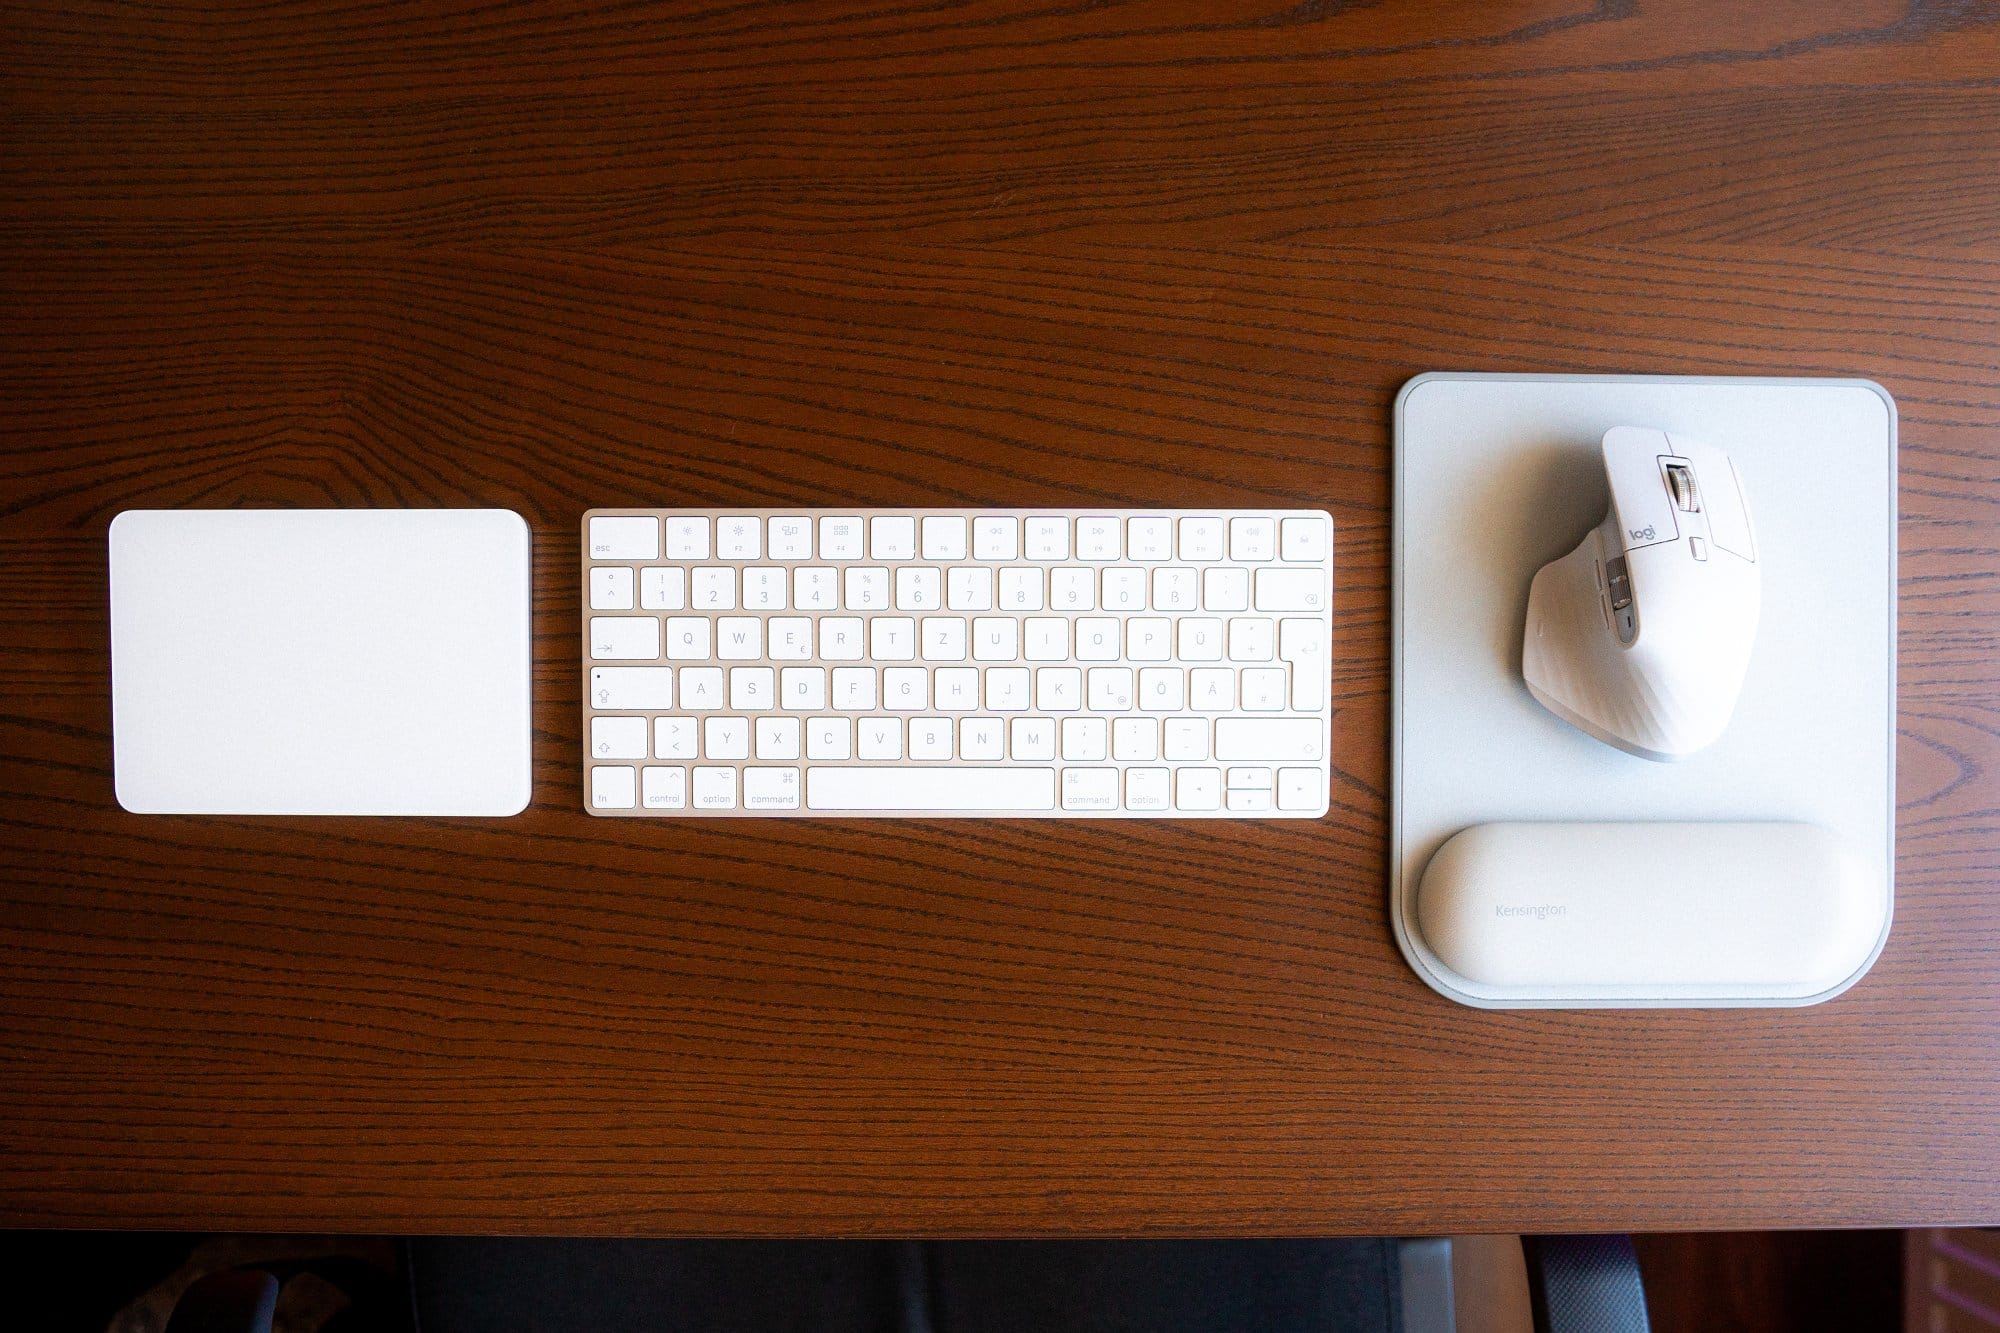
point(1644, 534)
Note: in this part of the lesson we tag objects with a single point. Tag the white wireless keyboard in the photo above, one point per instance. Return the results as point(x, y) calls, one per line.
point(929, 662)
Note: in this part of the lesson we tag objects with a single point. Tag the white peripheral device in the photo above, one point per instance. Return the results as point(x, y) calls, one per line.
point(1532, 864)
point(320, 662)
point(939, 662)
point(1641, 635)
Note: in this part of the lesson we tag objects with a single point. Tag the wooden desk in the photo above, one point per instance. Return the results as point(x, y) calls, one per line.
point(550, 257)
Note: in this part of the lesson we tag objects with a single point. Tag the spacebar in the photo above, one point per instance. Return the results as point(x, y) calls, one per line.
point(923, 789)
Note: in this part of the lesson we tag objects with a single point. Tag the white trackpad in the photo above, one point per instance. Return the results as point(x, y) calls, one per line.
point(321, 662)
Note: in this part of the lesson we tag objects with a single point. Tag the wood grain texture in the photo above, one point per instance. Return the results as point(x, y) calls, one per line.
point(550, 256)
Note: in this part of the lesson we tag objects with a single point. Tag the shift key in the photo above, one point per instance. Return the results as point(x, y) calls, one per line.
point(1274, 740)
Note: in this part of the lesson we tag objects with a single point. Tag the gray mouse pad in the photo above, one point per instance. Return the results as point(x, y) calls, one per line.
point(1498, 474)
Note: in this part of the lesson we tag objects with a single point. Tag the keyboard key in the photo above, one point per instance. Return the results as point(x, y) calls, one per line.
point(1135, 738)
point(892, 537)
point(752, 689)
point(1270, 740)
point(1007, 689)
point(633, 638)
point(1097, 538)
point(725, 738)
point(625, 539)
point(840, 638)
point(739, 638)
point(715, 588)
point(996, 537)
point(1047, 538)
point(764, 588)
point(830, 738)
point(1262, 689)
point(943, 639)
point(618, 737)
point(1302, 642)
point(1301, 789)
point(1032, 739)
point(815, 588)
point(1225, 589)
point(1247, 776)
point(918, 588)
point(1175, 588)
point(1201, 539)
point(1085, 739)
point(778, 738)
point(611, 589)
point(1162, 689)
point(955, 689)
point(701, 688)
point(867, 588)
point(770, 789)
point(738, 537)
point(1212, 689)
point(790, 538)
point(1046, 639)
point(632, 687)
point(663, 788)
point(1147, 789)
point(890, 639)
point(996, 639)
point(1090, 789)
point(930, 738)
point(1109, 689)
point(1149, 638)
point(1125, 588)
point(802, 689)
point(663, 589)
point(1291, 589)
point(715, 789)
point(675, 738)
point(879, 738)
point(687, 638)
point(965, 790)
point(1251, 639)
point(791, 638)
point(1072, 590)
point(906, 689)
point(1302, 539)
point(1059, 689)
point(982, 738)
point(968, 588)
point(1197, 789)
point(854, 689)
point(1099, 639)
point(841, 538)
point(613, 788)
point(1020, 589)
point(1150, 539)
point(687, 539)
point(1199, 639)
point(1249, 801)
point(944, 538)
point(1252, 539)
point(1186, 738)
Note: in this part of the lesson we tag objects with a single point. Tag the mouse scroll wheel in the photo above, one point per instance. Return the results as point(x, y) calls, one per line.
point(1680, 480)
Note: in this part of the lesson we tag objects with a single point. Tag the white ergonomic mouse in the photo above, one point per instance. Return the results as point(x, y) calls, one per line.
point(1641, 635)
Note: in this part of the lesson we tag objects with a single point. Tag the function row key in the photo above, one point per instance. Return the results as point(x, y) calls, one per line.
point(988, 537)
point(958, 588)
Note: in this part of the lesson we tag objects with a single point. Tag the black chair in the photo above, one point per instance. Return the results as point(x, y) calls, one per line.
point(1576, 1284)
